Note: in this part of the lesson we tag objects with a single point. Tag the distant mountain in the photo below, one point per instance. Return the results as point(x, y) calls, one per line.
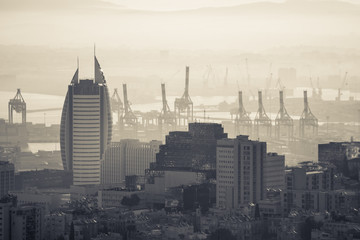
point(55, 4)
point(299, 7)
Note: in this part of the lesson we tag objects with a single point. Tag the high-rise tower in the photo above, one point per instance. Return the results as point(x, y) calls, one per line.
point(86, 127)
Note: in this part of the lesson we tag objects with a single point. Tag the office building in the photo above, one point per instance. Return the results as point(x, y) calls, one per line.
point(310, 176)
point(127, 158)
point(239, 178)
point(86, 127)
point(192, 150)
point(245, 172)
point(273, 172)
point(311, 186)
point(7, 177)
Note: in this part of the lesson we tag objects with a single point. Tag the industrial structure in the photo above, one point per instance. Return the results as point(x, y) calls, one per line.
point(243, 123)
point(343, 84)
point(18, 105)
point(167, 119)
point(308, 119)
point(129, 118)
point(283, 119)
point(184, 108)
point(117, 107)
point(262, 120)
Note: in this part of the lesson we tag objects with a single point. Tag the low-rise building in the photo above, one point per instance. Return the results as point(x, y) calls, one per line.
point(57, 225)
point(113, 197)
point(157, 183)
point(27, 222)
point(50, 200)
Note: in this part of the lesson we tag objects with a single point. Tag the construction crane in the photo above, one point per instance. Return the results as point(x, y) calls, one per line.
point(319, 89)
point(226, 77)
point(341, 87)
point(314, 93)
point(184, 108)
point(283, 119)
point(247, 71)
point(206, 76)
point(280, 85)
point(268, 86)
point(261, 118)
point(166, 116)
point(18, 105)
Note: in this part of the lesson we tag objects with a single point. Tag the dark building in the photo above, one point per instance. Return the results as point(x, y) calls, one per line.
point(7, 171)
point(47, 178)
point(193, 150)
point(86, 127)
point(339, 153)
point(27, 222)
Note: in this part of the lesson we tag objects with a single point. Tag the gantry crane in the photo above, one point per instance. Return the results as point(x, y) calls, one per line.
point(308, 119)
point(341, 87)
point(243, 123)
point(129, 117)
point(117, 106)
point(166, 118)
point(261, 118)
point(268, 83)
point(283, 119)
point(226, 77)
point(184, 108)
point(18, 105)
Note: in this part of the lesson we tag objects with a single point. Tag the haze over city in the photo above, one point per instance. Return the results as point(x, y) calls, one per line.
point(181, 120)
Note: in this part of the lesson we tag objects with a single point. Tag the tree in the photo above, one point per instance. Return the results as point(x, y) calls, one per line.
point(133, 200)
point(222, 234)
point(307, 226)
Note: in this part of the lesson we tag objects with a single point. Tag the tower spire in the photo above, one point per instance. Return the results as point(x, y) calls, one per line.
point(98, 73)
point(75, 79)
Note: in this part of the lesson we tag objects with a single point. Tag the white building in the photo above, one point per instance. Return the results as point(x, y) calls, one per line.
point(125, 158)
point(86, 127)
point(244, 171)
point(274, 172)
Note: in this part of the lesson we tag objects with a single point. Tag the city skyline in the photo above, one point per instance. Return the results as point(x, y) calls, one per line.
point(217, 119)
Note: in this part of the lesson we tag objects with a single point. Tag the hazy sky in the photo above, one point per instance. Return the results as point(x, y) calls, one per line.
point(77, 23)
point(143, 27)
point(191, 4)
